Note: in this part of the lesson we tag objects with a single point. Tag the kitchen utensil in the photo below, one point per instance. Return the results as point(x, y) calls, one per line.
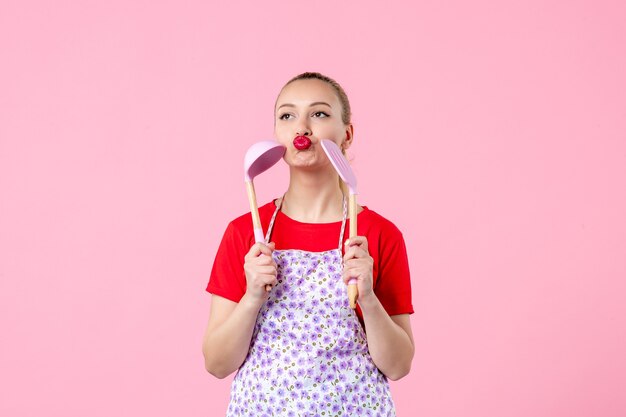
point(259, 158)
point(341, 165)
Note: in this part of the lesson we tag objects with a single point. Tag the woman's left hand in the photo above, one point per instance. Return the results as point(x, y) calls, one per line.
point(357, 263)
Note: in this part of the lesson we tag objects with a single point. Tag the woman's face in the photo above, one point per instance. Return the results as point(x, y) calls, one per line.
point(312, 109)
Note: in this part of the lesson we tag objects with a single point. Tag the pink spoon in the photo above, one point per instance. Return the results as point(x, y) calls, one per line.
point(259, 158)
point(344, 170)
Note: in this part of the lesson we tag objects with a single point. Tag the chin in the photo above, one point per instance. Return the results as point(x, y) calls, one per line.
point(304, 164)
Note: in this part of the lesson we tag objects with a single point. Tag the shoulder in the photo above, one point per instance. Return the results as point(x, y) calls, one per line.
point(377, 223)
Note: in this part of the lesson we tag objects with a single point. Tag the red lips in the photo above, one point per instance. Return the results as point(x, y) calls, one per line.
point(301, 143)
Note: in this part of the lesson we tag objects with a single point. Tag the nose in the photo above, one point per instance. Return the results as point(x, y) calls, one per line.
point(303, 129)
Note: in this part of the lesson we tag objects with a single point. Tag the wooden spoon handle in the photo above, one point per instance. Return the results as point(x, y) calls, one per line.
point(256, 219)
point(353, 292)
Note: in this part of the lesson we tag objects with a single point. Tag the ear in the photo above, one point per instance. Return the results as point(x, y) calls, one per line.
point(349, 136)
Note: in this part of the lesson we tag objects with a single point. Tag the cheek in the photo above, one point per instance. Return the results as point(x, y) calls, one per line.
point(282, 136)
point(332, 131)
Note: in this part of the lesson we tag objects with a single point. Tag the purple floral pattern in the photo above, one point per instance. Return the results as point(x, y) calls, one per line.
point(309, 356)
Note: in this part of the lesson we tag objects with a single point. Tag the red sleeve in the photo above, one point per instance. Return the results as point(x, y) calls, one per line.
point(393, 285)
point(228, 278)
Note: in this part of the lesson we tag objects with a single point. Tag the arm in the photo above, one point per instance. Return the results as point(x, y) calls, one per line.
point(228, 334)
point(229, 331)
point(389, 338)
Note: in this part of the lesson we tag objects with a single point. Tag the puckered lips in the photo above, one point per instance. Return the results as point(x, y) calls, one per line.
point(302, 143)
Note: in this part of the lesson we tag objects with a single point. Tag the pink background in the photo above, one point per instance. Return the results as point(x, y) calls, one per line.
point(491, 134)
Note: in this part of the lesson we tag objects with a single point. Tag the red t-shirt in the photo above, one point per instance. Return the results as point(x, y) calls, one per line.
point(386, 246)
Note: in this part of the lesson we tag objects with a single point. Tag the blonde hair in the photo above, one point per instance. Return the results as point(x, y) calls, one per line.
point(346, 112)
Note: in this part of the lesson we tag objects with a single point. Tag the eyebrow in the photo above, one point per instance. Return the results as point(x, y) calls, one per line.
point(311, 105)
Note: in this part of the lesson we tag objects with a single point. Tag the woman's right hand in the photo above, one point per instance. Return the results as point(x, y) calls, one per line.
point(260, 271)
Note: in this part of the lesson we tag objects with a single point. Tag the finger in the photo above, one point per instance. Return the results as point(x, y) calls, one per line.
point(352, 263)
point(266, 261)
point(269, 279)
point(357, 241)
point(269, 282)
point(265, 249)
point(349, 254)
point(264, 279)
point(358, 252)
point(263, 260)
point(354, 240)
point(265, 270)
point(354, 252)
point(348, 275)
point(255, 250)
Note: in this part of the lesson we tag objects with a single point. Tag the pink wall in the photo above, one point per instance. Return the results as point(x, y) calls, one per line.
point(493, 135)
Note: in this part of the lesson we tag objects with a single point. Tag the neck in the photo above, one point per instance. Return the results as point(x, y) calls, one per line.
point(313, 197)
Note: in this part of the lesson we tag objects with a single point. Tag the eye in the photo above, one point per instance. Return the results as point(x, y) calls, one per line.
point(320, 112)
point(282, 116)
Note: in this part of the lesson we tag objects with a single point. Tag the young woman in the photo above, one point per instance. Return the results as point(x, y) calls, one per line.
point(299, 348)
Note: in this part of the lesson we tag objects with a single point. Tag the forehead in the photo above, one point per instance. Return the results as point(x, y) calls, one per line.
point(302, 92)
